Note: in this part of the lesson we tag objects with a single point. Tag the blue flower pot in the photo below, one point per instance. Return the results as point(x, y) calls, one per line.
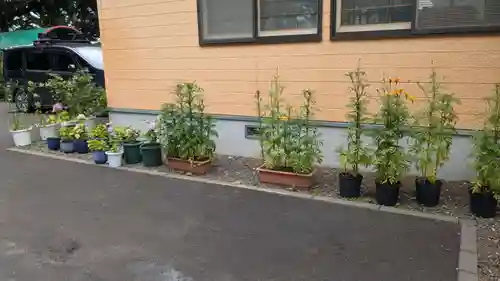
point(99, 157)
point(53, 143)
point(67, 146)
point(81, 146)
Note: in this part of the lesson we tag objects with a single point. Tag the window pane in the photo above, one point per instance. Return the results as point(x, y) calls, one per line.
point(226, 19)
point(292, 16)
point(436, 14)
point(37, 61)
point(14, 60)
point(62, 62)
point(360, 12)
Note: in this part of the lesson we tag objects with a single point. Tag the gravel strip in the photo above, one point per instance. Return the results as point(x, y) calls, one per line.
point(454, 199)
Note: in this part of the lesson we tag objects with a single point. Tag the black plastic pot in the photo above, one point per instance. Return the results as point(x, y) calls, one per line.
point(151, 154)
point(132, 152)
point(483, 204)
point(387, 194)
point(350, 185)
point(428, 193)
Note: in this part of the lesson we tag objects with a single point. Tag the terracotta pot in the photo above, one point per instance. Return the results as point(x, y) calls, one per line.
point(193, 167)
point(300, 181)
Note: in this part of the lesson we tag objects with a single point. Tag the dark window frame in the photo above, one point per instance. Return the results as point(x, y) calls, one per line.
point(413, 31)
point(256, 39)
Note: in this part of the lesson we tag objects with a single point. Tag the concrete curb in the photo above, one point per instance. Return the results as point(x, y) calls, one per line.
point(467, 258)
point(467, 265)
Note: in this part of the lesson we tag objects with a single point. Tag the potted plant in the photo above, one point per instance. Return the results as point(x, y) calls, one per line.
point(98, 148)
point(390, 159)
point(186, 132)
point(357, 152)
point(432, 138)
point(485, 190)
point(21, 134)
point(48, 127)
point(151, 148)
point(80, 137)
point(131, 146)
point(115, 152)
point(67, 141)
point(290, 144)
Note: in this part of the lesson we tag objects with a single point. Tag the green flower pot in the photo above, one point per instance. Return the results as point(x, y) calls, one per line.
point(151, 154)
point(132, 152)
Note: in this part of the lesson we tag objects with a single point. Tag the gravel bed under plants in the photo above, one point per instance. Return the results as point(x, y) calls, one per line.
point(454, 199)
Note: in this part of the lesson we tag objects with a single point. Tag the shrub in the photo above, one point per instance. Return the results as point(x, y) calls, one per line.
point(288, 140)
point(432, 136)
point(79, 132)
point(183, 128)
point(390, 159)
point(487, 149)
point(100, 132)
point(66, 133)
point(98, 145)
point(357, 152)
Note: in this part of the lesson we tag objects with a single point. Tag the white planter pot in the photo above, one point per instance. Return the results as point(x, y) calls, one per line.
point(90, 123)
point(22, 137)
point(114, 158)
point(68, 123)
point(49, 131)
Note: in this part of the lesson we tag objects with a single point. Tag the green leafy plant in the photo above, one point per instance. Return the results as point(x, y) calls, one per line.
point(79, 93)
point(432, 134)
point(357, 152)
point(131, 135)
point(63, 116)
point(100, 132)
point(79, 132)
point(119, 133)
point(288, 140)
point(487, 150)
point(66, 133)
point(183, 128)
point(390, 159)
point(114, 143)
point(98, 145)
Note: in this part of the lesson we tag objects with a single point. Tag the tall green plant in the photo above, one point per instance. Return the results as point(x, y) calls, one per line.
point(390, 159)
point(184, 129)
point(432, 136)
point(487, 149)
point(357, 152)
point(289, 142)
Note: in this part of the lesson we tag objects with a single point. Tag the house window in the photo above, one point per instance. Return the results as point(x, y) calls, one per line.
point(452, 14)
point(224, 21)
point(373, 15)
point(372, 18)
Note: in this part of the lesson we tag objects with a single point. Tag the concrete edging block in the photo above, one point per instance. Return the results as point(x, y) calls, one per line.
point(467, 258)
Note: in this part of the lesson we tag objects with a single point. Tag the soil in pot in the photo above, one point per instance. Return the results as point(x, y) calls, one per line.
point(132, 152)
point(428, 193)
point(53, 143)
point(350, 185)
point(151, 154)
point(483, 204)
point(193, 167)
point(67, 146)
point(81, 146)
point(387, 194)
point(99, 157)
point(285, 178)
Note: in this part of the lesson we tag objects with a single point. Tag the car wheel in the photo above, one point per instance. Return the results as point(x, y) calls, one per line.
point(22, 102)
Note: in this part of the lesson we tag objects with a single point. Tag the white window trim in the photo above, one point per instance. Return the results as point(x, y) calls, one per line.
point(303, 31)
point(339, 28)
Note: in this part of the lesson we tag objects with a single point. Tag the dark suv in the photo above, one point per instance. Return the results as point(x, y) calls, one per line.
point(34, 63)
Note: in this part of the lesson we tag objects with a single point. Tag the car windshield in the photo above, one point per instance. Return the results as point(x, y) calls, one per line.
point(93, 55)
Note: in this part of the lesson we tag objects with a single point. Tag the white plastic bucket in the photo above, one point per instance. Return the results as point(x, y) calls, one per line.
point(114, 158)
point(90, 123)
point(22, 137)
point(48, 131)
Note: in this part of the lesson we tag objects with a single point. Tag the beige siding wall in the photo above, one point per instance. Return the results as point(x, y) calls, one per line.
point(150, 45)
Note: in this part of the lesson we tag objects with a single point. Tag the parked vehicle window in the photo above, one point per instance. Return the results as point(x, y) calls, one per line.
point(233, 20)
point(92, 55)
point(14, 60)
point(62, 61)
point(37, 61)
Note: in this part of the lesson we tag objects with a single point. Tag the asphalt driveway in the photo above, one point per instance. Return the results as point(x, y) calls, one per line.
point(68, 221)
